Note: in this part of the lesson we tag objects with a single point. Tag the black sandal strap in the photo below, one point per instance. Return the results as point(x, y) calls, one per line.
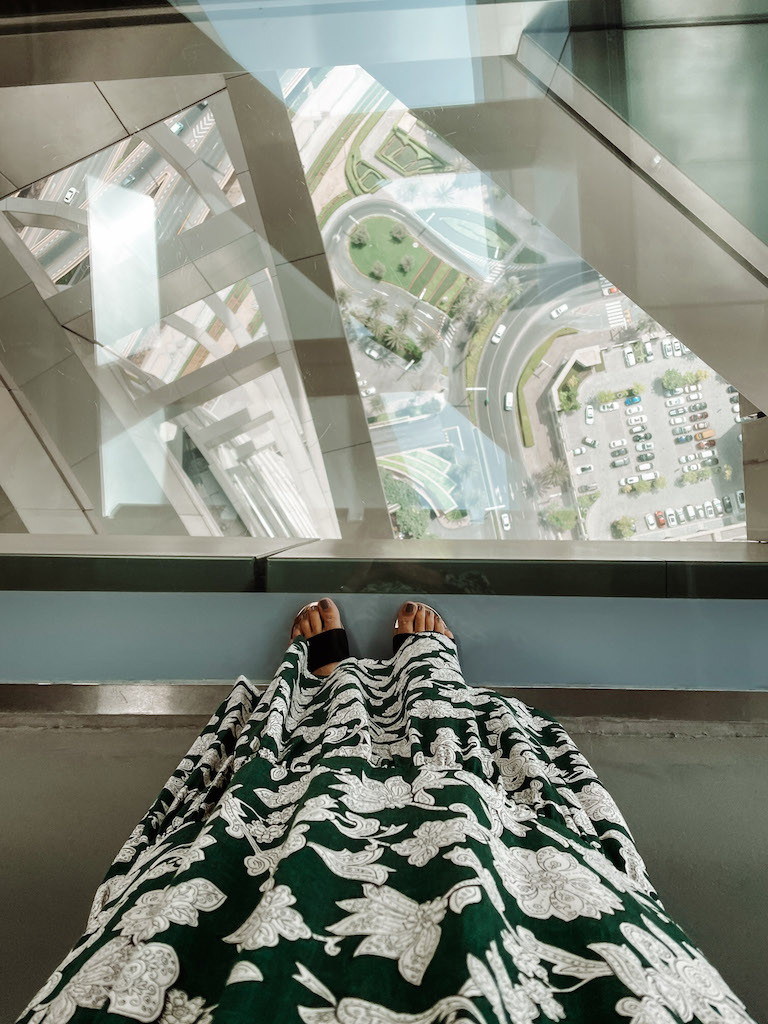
point(398, 640)
point(330, 645)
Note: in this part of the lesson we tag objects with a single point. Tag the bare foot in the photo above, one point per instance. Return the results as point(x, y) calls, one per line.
point(419, 618)
point(314, 619)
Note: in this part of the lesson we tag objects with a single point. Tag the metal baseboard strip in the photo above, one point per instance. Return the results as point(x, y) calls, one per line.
point(184, 702)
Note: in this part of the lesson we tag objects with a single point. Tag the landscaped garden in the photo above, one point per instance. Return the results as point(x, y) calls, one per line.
point(385, 251)
point(406, 156)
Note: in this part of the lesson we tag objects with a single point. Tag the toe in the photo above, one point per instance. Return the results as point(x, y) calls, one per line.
point(439, 626)
point(304, 624)
point(315, 620)
point(329, 614)
point(419, 619)
point(405, 617)
point(429, 620)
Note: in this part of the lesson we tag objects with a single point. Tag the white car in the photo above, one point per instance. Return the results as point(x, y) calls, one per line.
point(618, 443)
point(709, 510)
point(589, 414)
point(677, 347)
point(680, 513)
point(585, 469)
point(692, 467)
point(644, 446)
point(684, 348)
point(700, 513)
point(177, 128)
point(651, 474)
point(579, 451)
point(692, 388)
point(505, 521)
point(650, 520)
point(627, 481)
point(631, 410)
point(367, 392)
point(71, 193)
point(498, 334)
point(609, 406)
point(559, 311)
point(374, 353)
point(637, 419)
point(690, 513)
point(718, 506)
point(666, 349)
point(711, 454)
point(741, 500)
point(676, 420)
point(691, 457)
point(648, 349)
point(629, 356)
point(672, 402)
point(669, 515)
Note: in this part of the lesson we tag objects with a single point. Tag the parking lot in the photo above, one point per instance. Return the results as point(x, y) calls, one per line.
point(611, 426)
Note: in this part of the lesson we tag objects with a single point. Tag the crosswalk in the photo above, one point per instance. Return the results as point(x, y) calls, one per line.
point(615, 314)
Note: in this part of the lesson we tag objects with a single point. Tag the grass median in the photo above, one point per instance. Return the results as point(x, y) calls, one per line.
point(525, 376)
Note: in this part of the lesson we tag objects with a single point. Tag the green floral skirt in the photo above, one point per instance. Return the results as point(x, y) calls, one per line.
point(384, 846)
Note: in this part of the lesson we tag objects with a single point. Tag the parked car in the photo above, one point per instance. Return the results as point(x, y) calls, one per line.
point(619, 451)
point(579, 451)
point(643, 435)
point(498, 334)
point(690, 513)
point(718, 506)
point(731, 389)
point(679, 430)
point(734, 398)
point(587, 488)
point(677, 347)
point(692, 467)
point(617, 463)
point(637, 419)
point(671, 392)
point(627, 481)
point(644, 446)
point(650, 475)
point(650, 522)
point(666, 348)
point(710, 462)
point(590, 442)
point(620, 442)
point(684, 438)
point(669, 515)
point(585, 469)
point(697, 407)
point(697, 416)
point(741, 500)
point(675, 419)
point(648, 349)
point(177, 128)
point(691, 388)
point(660, 520)
point(558, 311)
point(589, 414)
point(709, 443)
point(374, 353)
point(700, 513)
point(505, 521)
point(680, 513)
point(367, 392)
point(633, 410)
point(672, 402)
point(629, 356)
point(709, 510)
point(646, 457)
point(727, 504)
point(609, 406)
point(685, 349)
point(632, 400)
point(690, 457)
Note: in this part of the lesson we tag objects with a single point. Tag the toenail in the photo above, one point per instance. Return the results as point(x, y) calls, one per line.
point(410, 608)
point(325, 604)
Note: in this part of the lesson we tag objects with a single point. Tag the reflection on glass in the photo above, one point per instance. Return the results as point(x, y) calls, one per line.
point(511, 391)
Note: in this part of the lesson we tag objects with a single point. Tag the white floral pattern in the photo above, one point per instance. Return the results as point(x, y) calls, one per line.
point(384, 846)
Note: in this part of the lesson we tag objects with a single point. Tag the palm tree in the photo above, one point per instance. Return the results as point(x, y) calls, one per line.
point(556, 474)
point(404, 318)
point(377, 304)
point(395, 338)
point(430, 339)
point(342, 297)
point(444, 190)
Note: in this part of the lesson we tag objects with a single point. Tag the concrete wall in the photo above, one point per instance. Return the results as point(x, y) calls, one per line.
point(695, 803)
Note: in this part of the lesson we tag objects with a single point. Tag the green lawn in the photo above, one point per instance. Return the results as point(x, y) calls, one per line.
point(530, 366)
point(529, 256)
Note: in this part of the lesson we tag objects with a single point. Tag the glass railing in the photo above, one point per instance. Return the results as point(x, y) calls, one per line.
point(294, 309)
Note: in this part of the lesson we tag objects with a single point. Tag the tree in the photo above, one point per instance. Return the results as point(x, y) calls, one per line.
point(556, 474)
point(405, 265)
point(638, 389)
point(430, 339)
point(673, 379)
point(395, 339)
point(378, 270)
point(359, 236)
point(624, 527)
point(404, 318)
point(397, 232)
point(412, 350)
point(413, 522)
point(701, 375)
point(342, 297)
point(604, 396)
point(568, 399)
point(659, 483)
point(562, 520)
point(376, 304)
point(703, 474)
point(643, 487)
point(727, 471)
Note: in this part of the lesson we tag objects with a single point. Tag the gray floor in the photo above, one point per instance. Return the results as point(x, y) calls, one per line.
point(694, 802)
